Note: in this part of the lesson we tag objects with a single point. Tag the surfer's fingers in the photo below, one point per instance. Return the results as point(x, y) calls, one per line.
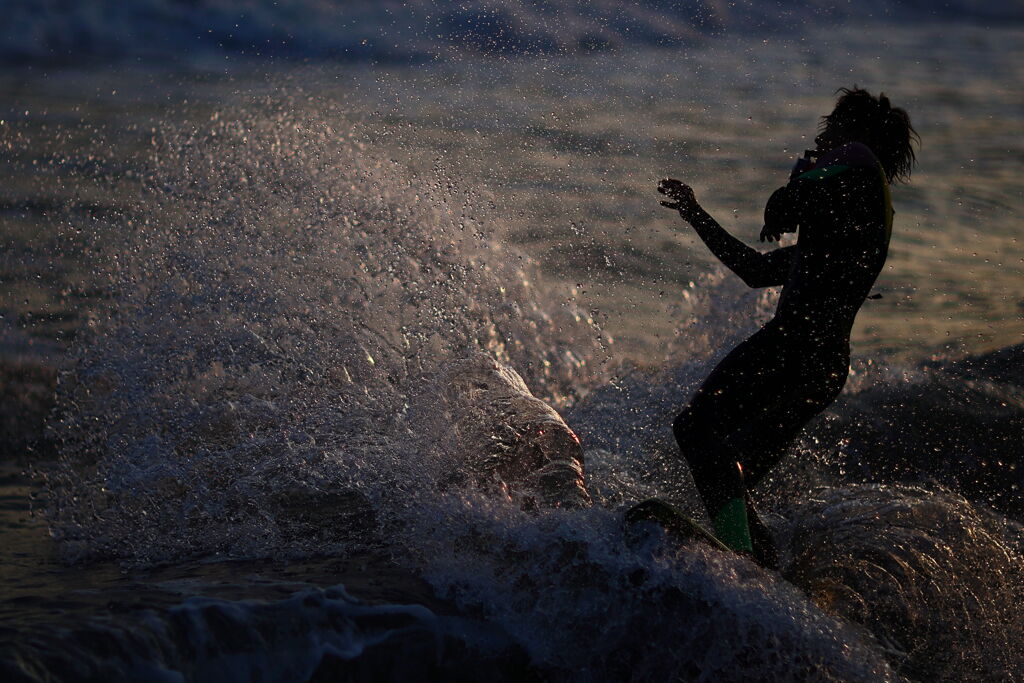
point(679, 192)
point(670, 205)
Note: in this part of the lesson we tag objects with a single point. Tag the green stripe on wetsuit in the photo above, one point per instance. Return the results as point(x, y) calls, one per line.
point(732, 527)
point(824, 172)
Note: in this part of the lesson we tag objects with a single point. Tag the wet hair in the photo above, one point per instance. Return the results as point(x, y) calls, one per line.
point(884, 129)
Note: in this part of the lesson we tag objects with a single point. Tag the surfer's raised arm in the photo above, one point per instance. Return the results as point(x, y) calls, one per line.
point(753, 267)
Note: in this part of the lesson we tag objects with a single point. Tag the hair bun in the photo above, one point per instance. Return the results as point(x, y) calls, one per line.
point(883, 101)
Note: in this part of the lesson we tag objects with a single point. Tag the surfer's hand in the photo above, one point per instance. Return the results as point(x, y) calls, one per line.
point(681, 197)
point(771, 234)
point(780, 215)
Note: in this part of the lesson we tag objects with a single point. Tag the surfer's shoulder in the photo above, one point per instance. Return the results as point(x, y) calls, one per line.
point(854, 157)
point(850, 155)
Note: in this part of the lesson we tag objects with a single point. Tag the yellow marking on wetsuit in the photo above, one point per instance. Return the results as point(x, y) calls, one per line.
point(889, 211)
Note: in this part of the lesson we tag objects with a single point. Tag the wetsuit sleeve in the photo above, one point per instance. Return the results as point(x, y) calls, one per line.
point(775, 266)
point(753, 267)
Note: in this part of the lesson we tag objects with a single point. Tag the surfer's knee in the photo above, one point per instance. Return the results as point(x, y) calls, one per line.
point(695, 439)
point(682, 428)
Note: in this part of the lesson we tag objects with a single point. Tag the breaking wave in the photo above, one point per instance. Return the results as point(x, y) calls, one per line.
point(197, 32)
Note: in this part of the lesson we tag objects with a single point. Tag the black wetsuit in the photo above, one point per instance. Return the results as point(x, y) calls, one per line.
point(755, 402)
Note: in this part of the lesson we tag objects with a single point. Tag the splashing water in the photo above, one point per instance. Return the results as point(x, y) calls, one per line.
point(923, 570)
point(301, 362)
point(284, 300)
point(282, 294)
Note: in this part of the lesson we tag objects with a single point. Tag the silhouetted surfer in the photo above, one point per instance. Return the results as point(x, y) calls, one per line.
point(753, 404)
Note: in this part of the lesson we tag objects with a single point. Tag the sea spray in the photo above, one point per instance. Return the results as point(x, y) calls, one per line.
point(628, 420)
point(931, 576)
point(285, 296)
point(282, 294)
point(282, 288)
point(937, 581)
point(586, 604)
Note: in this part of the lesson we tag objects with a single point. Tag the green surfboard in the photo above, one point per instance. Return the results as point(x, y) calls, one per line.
point(672, 520)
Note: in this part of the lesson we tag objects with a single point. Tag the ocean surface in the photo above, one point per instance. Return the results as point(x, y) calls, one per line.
point(276, 298)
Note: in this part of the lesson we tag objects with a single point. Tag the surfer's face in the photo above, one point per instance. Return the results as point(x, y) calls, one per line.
point(828, 140)
point(835, 134)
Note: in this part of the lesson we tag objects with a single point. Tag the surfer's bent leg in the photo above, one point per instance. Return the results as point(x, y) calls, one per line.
point(746, 385)
point(743, 419)
point(716, 472)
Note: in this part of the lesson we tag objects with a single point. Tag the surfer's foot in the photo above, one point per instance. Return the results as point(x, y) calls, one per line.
point(765, 552)
point(684, 529)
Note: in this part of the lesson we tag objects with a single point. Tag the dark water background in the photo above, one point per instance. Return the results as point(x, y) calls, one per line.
point(250, 274)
